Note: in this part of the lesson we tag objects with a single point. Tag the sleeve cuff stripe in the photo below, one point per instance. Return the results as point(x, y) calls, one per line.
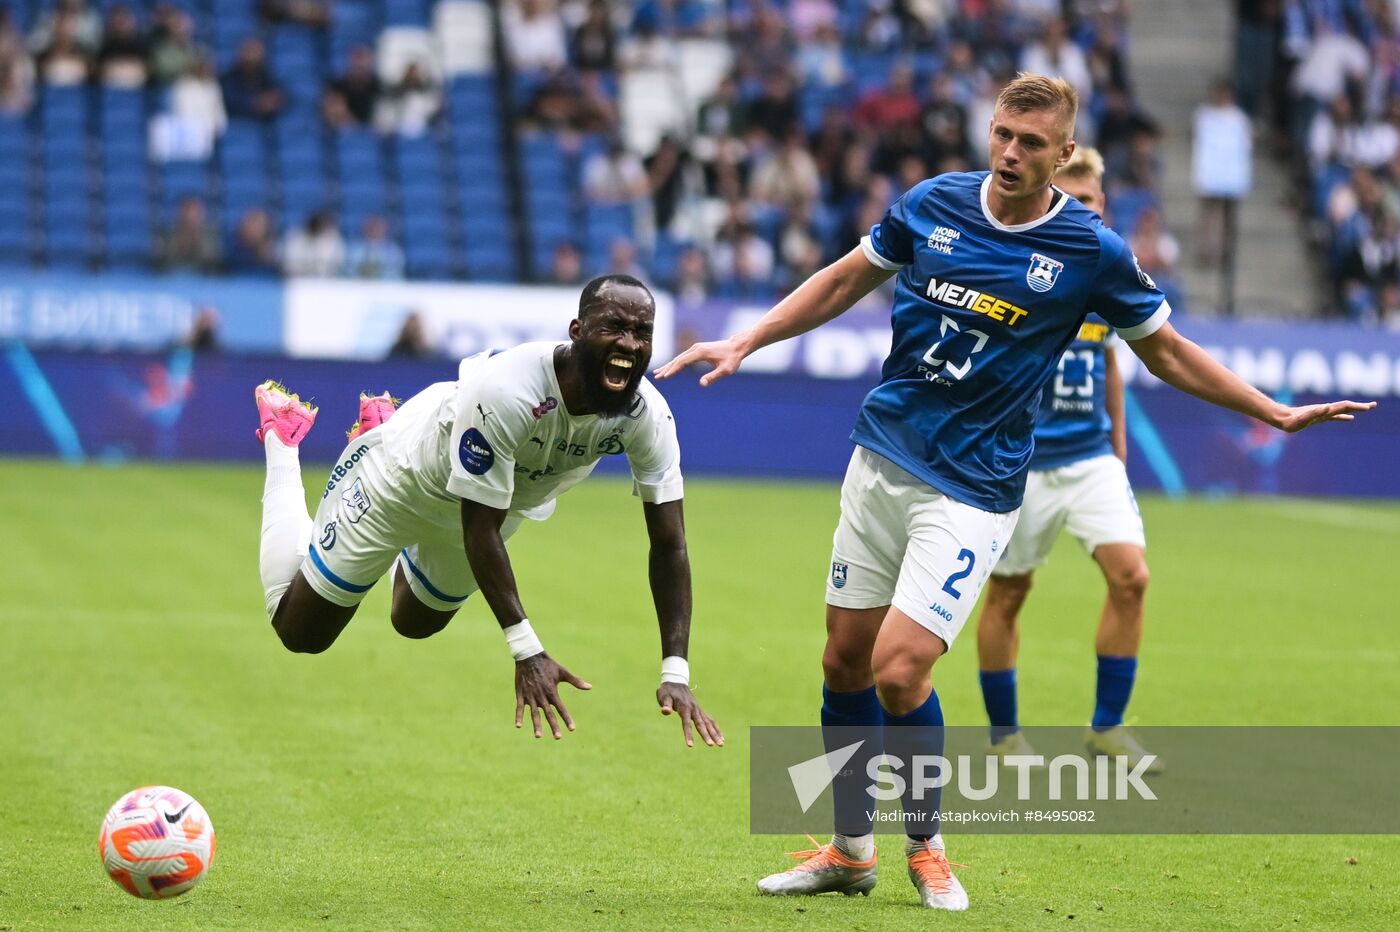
point(1149, 326)
point(875, 258)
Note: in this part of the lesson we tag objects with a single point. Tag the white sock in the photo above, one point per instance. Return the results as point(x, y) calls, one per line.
point(286, 527)
point(856, 847)
point(912, 845)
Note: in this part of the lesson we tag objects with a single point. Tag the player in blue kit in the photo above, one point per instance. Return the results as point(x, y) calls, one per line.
point(1077, 482)
point(996, 271)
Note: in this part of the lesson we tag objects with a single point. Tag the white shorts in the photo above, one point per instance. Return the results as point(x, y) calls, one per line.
point(901, 542)
point(1091, 499)
point(365, 523)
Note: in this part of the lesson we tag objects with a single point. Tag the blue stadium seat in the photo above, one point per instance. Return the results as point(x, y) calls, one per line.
point(491, 261)
point(405, 13)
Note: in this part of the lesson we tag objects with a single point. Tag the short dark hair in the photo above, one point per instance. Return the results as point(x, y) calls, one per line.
point(591, 290)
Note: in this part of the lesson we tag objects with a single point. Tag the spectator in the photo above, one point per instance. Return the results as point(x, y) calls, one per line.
point(411, 105)
point(786, 175)
point(894, 105)
point(374, 254)
point(121, 61)
point(774, 111)
point(1105, 58)
point(359, 86)
point(412, 341)
point(191, 244)
point(313, 13)
point(16, 69)
point(594, 109)
point(316, 250)
point(335, 111)
point(722, 113)
point(622, 260)
point(666, 168)
point(615, 176)
point(196, 100)
point(1055, 54)
point(1156, 250)
point(800, 246)
point(692, 284)
point(204, 331)
point(84, 26)
point(566, 265)
point(742, 259)
point(809, 17)
point(944, 121)
point(645, 49)
point(594, 44)
point(250, 92)
point(1120, 123)
point(1257, 25)
point(173, 51)
point(64, 62)
point(1221, 171)
point(534, 35)
point(821, 61)
point(254, 248)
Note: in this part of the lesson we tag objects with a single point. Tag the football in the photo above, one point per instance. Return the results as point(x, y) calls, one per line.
point(156, 842)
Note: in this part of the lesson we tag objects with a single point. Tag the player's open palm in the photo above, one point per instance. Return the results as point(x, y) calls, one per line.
point(537, 682)
point(675, 698)
point(1306, 416)
point(724, 356)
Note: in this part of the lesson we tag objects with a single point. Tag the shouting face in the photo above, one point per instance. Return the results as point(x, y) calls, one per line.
point(612, 343)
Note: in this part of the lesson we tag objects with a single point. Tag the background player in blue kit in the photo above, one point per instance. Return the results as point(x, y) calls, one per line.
point(996, 271)
point(1077, 482)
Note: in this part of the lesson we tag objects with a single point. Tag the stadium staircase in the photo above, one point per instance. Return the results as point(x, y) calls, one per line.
point(1178, 50)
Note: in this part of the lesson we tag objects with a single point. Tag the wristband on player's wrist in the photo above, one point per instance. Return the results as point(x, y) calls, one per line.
point(522, 641)
point(675, 670)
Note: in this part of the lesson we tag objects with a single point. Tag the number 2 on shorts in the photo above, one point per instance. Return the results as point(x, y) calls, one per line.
point(961, 574)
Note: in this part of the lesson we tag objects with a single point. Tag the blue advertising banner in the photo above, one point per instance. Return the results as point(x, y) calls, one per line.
point(138, 312)
point(184, 405)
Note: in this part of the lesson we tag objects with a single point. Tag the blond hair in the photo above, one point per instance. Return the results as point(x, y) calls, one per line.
point(1034, 92)
point(1085, 163)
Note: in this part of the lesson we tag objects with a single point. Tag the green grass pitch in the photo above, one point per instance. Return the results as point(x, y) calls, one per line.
point(382, 786)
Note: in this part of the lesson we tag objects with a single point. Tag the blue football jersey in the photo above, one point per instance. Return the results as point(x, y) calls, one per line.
point(982, 313)
point(1073, 424)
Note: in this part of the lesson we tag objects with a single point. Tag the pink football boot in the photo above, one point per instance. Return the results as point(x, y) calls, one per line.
point(374, 410)
point(283, 413)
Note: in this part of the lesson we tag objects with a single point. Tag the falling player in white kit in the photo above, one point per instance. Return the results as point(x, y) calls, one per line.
point(1077, 482)
point(436, 490)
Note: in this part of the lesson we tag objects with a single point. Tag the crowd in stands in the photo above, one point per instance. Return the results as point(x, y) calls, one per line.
point(1323, 76)
point(828, 111)
point(831, 110)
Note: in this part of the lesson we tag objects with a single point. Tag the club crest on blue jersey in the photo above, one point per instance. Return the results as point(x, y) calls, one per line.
point(838, 575)
point(1043, 272)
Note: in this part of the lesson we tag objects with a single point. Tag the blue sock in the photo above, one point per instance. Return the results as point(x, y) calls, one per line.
point(920, 733)
point(846, 719)
point(1116, 675)
point(999, 696)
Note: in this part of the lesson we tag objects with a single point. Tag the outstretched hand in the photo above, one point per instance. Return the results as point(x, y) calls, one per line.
point(537, 682)
point(723, 355)
point(677, 698)
point(1296, 419)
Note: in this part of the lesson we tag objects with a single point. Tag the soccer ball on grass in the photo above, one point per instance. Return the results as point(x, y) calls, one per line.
point(156, 842)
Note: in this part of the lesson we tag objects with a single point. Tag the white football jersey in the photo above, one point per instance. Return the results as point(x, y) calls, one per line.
point(500, 435)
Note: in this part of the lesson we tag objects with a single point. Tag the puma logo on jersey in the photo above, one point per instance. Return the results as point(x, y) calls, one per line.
point(959, 296)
